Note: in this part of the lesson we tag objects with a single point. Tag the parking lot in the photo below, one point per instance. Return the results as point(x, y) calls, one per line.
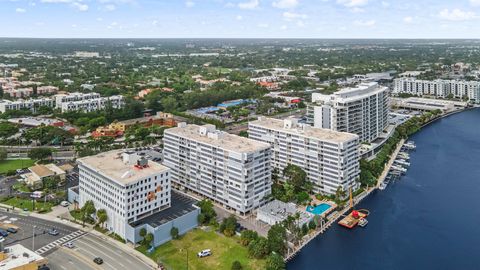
point(43, 242)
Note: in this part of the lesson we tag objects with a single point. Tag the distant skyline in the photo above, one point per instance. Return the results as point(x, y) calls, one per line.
point(240, 18)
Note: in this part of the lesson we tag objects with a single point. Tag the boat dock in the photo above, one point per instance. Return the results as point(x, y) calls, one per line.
point(351, 220)
point(389, 165)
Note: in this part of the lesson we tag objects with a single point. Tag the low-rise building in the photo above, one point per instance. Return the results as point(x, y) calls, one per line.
point(329, 158)
point(428, 104)
point(38, 173)
point(232, 171)
point(275, 212)
point(60, 99)
point(25, 104)
point(95, 104)
point(18, 257)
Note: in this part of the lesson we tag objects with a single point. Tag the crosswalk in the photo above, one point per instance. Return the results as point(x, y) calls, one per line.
point(60, 241)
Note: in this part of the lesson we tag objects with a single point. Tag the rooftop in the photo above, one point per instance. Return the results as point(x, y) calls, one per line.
point(180, 205)
point(362, 90)
point(18, 256)
point(217, 138)
point(280, 211)
point(46, 170)
point(304, 130)
point(119, 166)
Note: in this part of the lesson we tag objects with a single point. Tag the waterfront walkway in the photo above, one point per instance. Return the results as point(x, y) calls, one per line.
point(394, 155)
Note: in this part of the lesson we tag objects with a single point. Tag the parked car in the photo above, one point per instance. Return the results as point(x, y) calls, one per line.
point(53, 232)
point(12, 230)
point(204, 253)
point(69, 245)
point(98, 260)
point(65, 204)
point(3, 233)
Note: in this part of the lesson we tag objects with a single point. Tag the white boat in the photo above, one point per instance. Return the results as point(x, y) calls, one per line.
point(402, 162)
point(362, 222)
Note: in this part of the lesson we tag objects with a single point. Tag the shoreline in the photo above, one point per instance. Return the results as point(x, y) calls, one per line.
point(368, 191)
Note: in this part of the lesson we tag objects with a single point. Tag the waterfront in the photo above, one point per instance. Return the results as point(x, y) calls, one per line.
point(427, 220)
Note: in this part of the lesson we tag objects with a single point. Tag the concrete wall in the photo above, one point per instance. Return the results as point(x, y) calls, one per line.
point(161, 233)
point(72, 196)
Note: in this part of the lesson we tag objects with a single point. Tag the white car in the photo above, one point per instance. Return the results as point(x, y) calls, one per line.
point(204, 253)
point(69, 245)
point(64, 203)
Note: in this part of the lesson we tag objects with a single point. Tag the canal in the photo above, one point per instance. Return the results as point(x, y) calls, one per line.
point(429, 219)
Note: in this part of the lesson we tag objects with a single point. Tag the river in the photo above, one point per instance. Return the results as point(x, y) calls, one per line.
point(429, 219)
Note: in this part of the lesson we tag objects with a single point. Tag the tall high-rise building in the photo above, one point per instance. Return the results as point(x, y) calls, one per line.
point(362, 110)
point(330, 158)
point(231, 170)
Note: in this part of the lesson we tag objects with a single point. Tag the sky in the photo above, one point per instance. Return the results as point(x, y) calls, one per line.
point(240, 18)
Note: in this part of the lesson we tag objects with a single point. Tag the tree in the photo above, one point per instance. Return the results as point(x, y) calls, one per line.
point(248, 236)
point(102, 216)
point(7, 129)
point(169, 103)
point(339, 194)
point(87, 210)
point(174, 232)
point(243, 133)
point(40, 153)
point(148, 239)
point(228, 226)
point(236, 265)
point(258, 248)
point(275, 262)
point(295, 176)
point(50, 182)
point(207, 213)
point(3, 154)
point(277, 236)
point(143, 233)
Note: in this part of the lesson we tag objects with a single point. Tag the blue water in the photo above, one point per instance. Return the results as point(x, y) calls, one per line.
point(429, 219)
point(319, 209)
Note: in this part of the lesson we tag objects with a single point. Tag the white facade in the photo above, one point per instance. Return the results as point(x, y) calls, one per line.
point(362, 110)
point(228, 169)
point(438, 88)
point(330, 158)
point(95, 104)
point(27, 104)
point(60, 99)
point(127, 186)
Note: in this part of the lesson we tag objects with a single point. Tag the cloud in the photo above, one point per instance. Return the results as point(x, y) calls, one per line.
point(408, 19)
point(285, 4)
point(352, 3)
point(263, 25)
point(239, 17)
point(456, 15)
point(475, 2)
point(368, 23)
point(110, 7)
point(189, 4)
point(80, 6)
point(292, 16)
point(251, 4)
point(20, 10)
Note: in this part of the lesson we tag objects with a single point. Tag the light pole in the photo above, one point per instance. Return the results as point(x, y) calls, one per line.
point(33, 239)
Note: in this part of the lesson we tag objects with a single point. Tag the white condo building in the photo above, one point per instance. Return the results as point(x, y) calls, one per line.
point(330, 158)
point(25, 104)
point(230, 170)
point(72, 97)
point(362, 110)
point(126, 185)
point(438, 88)
point(95, 104)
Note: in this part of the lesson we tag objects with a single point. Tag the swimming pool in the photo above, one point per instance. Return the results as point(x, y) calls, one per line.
point(319, 209)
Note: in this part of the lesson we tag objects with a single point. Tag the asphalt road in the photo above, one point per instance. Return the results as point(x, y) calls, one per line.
point(86, 249)
point(27, 225)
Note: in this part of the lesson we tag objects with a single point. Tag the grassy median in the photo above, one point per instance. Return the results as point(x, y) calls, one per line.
point(225, 250)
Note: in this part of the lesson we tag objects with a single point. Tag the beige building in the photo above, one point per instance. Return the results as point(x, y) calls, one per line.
point(38, 173)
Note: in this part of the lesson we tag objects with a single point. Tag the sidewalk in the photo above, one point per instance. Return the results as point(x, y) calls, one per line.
point(89, 229)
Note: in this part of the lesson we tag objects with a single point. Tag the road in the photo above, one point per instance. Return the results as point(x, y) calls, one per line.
point(86, 249)
point(67, 155)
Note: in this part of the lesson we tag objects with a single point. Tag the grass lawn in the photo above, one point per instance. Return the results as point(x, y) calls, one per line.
point(9, 165)
point(225, 251)
point(24, 203)
point(21, 187)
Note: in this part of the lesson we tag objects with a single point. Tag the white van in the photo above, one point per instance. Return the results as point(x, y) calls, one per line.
point(65, 204)
point(204, 253)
